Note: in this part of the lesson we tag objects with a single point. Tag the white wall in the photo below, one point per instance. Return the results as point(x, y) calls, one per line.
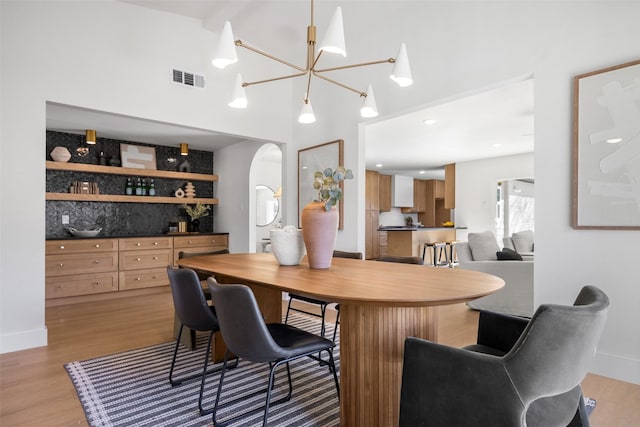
point(476, 188)
point(111, 56)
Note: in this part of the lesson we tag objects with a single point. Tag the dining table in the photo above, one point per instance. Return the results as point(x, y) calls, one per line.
point(381, 304)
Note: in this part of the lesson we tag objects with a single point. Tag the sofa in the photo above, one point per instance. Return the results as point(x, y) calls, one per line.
point(516, 297)
point(521, 242)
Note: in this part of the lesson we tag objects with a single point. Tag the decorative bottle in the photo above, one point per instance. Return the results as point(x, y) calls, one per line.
point(128, 190)
point(152, 188)
point(138, 187)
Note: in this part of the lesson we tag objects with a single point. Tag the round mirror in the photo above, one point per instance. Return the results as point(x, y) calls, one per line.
point(267, 206)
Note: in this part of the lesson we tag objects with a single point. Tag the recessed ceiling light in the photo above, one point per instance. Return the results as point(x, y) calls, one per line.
point(429, 122)
point(379, 165)
point(421, 172)
point(614, 140)
point(497, 145)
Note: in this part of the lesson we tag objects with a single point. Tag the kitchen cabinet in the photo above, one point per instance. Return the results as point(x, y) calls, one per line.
point(83, 270)
point(372, 195)
point(149, 173)
point(143, 262)
point(80, 267)
point(419, 197)
point(450, 186)
point(401, 191)
point(384, 193)
point(372, 240)
point(435, 213)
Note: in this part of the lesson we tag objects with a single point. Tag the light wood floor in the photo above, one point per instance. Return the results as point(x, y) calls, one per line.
point(35, 390)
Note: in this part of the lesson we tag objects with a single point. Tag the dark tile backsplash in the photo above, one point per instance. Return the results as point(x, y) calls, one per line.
point(120, 219)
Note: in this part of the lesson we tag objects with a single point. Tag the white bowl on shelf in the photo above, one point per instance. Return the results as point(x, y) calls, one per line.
point(84, 233)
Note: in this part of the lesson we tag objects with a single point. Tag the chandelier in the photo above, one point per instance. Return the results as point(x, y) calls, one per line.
point(333, 42)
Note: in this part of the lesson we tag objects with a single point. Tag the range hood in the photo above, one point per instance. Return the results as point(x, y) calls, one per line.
point(401, 191)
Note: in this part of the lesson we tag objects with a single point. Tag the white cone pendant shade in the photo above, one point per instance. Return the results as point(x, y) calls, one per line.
point(369, 107)
point(306, 114)
point(239, 97)
point(401, 73)
point(333, 40)
point(226, 52)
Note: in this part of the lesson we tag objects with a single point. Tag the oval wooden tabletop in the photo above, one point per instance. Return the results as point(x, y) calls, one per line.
point(354, 281)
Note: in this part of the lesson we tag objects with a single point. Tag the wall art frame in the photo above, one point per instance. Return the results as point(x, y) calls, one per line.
point(606, 149)
point(138, 156)
point(318, 158)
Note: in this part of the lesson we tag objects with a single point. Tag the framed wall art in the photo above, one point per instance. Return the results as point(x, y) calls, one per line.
point(606, 149)
point(138, 156)
point(312, 159)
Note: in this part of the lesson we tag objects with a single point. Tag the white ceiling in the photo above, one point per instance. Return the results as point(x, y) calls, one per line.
point(466, 129)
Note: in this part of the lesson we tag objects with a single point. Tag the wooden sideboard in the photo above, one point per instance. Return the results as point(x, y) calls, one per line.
point(89, 269)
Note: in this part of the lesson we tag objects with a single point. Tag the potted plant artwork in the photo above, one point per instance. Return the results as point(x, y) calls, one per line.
point(195, 212)
point(320, 218)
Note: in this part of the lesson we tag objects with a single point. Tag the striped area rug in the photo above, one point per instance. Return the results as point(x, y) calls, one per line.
point(132, 388)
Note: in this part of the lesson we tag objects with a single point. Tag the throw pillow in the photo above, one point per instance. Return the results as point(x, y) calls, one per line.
point(483, 246)
point(523, 241)
point(507, 254)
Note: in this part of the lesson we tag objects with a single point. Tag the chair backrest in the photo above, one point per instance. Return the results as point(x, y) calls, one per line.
point(183, 254)
point(553, 353)
point(345, 254)
point(241, 323)
point(189, 300)
point(402, 259)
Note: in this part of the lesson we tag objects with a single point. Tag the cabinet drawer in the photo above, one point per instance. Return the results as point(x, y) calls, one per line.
point(82, 246)
point(81, 284)
point(135, 260)
point(62, 265)
point(136, 279)
point(195, 241)
point(132, 244)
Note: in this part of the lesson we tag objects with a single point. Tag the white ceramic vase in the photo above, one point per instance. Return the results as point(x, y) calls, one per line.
point(287, 245)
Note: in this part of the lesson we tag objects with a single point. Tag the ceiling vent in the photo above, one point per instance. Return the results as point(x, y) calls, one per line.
point(188, 79)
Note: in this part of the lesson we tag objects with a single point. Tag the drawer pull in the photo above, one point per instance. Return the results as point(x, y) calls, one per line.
point(61, 247)
point(62, 264)
point(154, 277)
point(155, 258)
point(189, 241)
point(138, 278)
point(97, 261)
point(155, 243)
point(138, 244)
point(97, 246)
point(96, 283)
point(60, 286)
point(138, 259)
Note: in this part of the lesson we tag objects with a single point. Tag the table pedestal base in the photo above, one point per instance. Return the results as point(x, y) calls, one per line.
point(371, 352)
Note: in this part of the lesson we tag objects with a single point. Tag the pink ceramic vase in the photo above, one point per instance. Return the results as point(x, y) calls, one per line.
point(319, 230)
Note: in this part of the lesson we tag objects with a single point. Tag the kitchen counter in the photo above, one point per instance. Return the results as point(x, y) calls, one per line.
point(409, 241)
point(123, 236)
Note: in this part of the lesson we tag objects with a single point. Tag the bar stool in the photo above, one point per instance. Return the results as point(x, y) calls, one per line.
point(450, 247)
point(438, 248)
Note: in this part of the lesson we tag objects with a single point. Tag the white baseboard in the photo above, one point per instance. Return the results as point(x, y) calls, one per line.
point(23, 340)
point(617, 367)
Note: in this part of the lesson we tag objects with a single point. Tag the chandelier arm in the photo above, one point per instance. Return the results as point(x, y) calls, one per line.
point(340, 84)
point(274, 79)
point(260, 52)
point(363, 64)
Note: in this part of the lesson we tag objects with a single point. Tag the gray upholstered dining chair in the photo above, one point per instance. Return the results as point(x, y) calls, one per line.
point(520, 373)
point(402, 259)
point(248, 337)
point(189, 335)
point(194, 313)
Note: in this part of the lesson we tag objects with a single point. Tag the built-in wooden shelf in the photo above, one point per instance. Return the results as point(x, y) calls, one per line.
point(114, 170)
point(117, 198)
